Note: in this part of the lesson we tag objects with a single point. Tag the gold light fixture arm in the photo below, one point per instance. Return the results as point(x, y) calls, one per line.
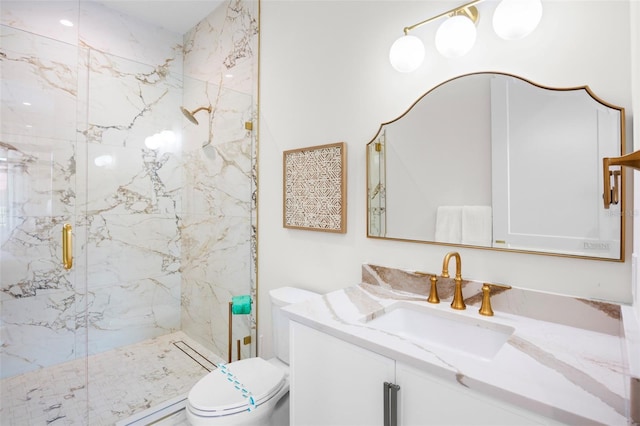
point(630, 160)
point(465, 9)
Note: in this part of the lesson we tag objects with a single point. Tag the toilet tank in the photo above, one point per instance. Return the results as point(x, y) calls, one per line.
point(281, 297)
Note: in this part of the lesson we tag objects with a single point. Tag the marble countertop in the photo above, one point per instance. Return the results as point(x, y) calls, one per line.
point(568, 363)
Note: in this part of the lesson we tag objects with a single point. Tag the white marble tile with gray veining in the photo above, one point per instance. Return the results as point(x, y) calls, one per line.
point(38, 86)
point(133, 181)
point(222, 48)
point(213, 263)
point(35, 17)
point(129, 247)
point(220, 186)
point(119, 314)
point(33, 245)
point(217, 226)
point(139, 40)
point(130, 101)
point(43, 335)
point(41, 174)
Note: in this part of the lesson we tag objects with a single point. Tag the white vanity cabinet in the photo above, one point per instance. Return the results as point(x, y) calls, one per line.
point(425, 399)
point(334, 382)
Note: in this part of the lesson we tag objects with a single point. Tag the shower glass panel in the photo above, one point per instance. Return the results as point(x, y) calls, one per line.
point(162, 210)
point(217, 228)
point(42, 321)
point(133, 200)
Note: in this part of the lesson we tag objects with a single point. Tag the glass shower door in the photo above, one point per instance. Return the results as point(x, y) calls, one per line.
point(42, 321)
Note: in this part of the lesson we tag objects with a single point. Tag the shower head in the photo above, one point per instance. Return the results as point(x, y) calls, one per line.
point(191, 114)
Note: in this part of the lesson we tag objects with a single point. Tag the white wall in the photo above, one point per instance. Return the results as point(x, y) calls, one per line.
point(325, 77)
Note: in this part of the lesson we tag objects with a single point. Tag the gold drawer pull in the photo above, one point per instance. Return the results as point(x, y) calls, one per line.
point(67, 249)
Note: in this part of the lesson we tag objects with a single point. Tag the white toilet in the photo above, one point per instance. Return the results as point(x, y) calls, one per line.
point(252, 391)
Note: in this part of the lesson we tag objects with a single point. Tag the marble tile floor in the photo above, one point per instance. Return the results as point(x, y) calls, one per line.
point(122, 382)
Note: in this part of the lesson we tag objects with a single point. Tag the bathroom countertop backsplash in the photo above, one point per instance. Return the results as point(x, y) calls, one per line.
point(565, 360)
point(575, 312)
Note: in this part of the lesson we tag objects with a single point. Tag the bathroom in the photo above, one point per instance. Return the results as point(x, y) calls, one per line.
point(332, 57)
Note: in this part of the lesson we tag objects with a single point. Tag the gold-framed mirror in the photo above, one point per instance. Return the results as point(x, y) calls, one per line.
point(494, 161)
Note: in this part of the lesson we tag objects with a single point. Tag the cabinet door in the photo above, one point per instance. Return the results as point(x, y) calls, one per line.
point(425, 399)
point(334, 382)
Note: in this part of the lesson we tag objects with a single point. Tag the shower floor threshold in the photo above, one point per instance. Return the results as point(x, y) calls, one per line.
point(170, 412)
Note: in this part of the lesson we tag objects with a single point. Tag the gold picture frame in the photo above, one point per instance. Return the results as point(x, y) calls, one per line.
point(315, 188)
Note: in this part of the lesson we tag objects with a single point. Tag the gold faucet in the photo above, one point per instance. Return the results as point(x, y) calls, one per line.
point(458, 300)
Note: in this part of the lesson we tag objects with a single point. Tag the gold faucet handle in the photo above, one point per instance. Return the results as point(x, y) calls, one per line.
point(485, 308)
point(433, 293)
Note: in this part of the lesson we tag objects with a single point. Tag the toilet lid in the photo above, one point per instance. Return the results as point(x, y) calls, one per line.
point(236, 387)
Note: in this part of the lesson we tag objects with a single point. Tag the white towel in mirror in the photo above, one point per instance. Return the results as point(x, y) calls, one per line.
point(449, 224)
point(477, 226)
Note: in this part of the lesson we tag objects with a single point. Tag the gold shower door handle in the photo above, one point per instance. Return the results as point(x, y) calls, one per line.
point(67, 249)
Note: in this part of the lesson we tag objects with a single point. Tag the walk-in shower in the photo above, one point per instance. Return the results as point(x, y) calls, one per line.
point(161, 235)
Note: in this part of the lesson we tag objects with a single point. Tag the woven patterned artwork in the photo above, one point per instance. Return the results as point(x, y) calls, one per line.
point(315, 188)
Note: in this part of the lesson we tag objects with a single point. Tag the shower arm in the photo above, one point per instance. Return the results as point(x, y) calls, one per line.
point(207, 108)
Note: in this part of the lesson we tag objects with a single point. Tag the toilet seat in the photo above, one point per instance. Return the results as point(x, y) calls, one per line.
point(236, 387)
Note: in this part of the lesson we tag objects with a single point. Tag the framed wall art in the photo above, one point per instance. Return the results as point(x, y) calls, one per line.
point(315, 188)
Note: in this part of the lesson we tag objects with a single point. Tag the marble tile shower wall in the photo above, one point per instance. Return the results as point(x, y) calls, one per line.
point(219, 236)
point(163, 233)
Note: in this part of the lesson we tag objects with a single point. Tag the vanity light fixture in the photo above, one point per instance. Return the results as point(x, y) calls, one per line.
point(512, 19)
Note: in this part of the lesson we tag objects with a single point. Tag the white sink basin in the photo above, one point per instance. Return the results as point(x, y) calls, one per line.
point(435, 328)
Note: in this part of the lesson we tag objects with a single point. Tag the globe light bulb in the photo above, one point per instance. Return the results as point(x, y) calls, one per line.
point(406, 53)
point(456, 36)
point(515, 19)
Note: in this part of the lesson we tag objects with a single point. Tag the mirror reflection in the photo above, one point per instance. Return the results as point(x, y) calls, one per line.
point(495, 161)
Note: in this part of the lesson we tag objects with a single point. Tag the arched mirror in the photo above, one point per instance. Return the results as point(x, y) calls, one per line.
point(495, 161)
